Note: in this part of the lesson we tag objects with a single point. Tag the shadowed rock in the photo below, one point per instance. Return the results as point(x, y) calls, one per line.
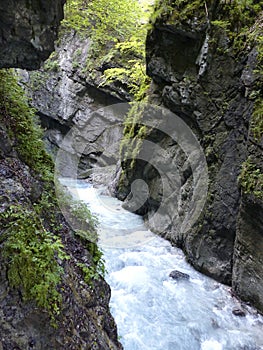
point(178, 275)
point(238, 312)
point(28, 29)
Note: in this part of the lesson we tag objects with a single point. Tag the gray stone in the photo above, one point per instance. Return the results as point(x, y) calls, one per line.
point(85, 321)
point(210, 92)
point(238, 312)
point(23, 325)
point(28, 30)
point(248, 257)
point(178, 275)
point(67, 100)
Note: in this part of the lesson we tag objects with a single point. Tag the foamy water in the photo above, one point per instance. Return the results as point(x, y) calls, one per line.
point(153, 311)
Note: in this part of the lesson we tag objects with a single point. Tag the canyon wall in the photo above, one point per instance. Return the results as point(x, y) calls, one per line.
point(28, 30)
point(208, 76)
point(215, 87)
point(47, 300)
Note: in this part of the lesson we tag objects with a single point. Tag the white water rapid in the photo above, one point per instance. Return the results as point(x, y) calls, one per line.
point(153, 311)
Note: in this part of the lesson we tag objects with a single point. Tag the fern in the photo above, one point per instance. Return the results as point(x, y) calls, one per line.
point(31, 251)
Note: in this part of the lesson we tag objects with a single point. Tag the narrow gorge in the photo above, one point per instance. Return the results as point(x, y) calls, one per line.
point(157, 104)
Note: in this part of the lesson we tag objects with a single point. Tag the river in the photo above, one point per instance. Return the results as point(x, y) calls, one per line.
point(152, 310)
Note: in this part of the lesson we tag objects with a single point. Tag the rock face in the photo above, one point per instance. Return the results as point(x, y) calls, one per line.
point(85, 321)
point(247, 270)
point(197, 76)
point(248, 257)
point(27, 31)
point(67, 99)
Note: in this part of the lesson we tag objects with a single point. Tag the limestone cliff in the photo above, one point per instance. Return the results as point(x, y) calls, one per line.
point(211, 81)
point(27, 31)
point(205, 70)
point(51, 293)
point(67, 97)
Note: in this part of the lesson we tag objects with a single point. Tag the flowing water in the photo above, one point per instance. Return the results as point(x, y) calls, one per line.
point(153, 311)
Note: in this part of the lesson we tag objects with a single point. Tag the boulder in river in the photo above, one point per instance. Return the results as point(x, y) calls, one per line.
point(238, 312)
point(178, 275)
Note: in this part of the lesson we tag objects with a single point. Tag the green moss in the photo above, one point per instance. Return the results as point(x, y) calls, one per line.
point(37, 80)
point(21, 125)
point(234, 17)
point(256, 39)
point(97, 269)
point(30, 233)
point(133, 76)
point(29, 245)
point(251, 179)
point(133, 135)
point(118, 30)
point(51, 65)
point(178, 11)
point(31, 251)
point(86, 232)
point(257, 120)
point(76, 17)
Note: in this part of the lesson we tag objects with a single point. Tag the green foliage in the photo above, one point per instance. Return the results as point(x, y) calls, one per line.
point(232, 16)
point(19, 120)
point(133, 75)
point(108, 21)
point(87, 232)
point(29, 233)
point(28, 244)
point(251, 179)
point(82, 212)
point(79, 214)
point(52, 64)
point(257, 119)
point(221, 24)
point(178, 11)
point(97, 269)
point(162, 8)
point(133, 135)
point(186, 9)
point(125, 39)
point(118, 31)
point(32, 251)
point(76, 17)
point(113, 21)
point(240, 13)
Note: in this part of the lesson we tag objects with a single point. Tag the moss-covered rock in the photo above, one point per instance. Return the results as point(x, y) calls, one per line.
point(203, 59)
point(52, 289)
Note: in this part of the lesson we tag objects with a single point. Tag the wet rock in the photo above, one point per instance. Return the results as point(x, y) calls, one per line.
point(67, 100)
point(178, 275)
point(248, 259)
point(226, 242)
point(5, 146)
point(28, 30)
point(238, 312)
point(85, 316)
